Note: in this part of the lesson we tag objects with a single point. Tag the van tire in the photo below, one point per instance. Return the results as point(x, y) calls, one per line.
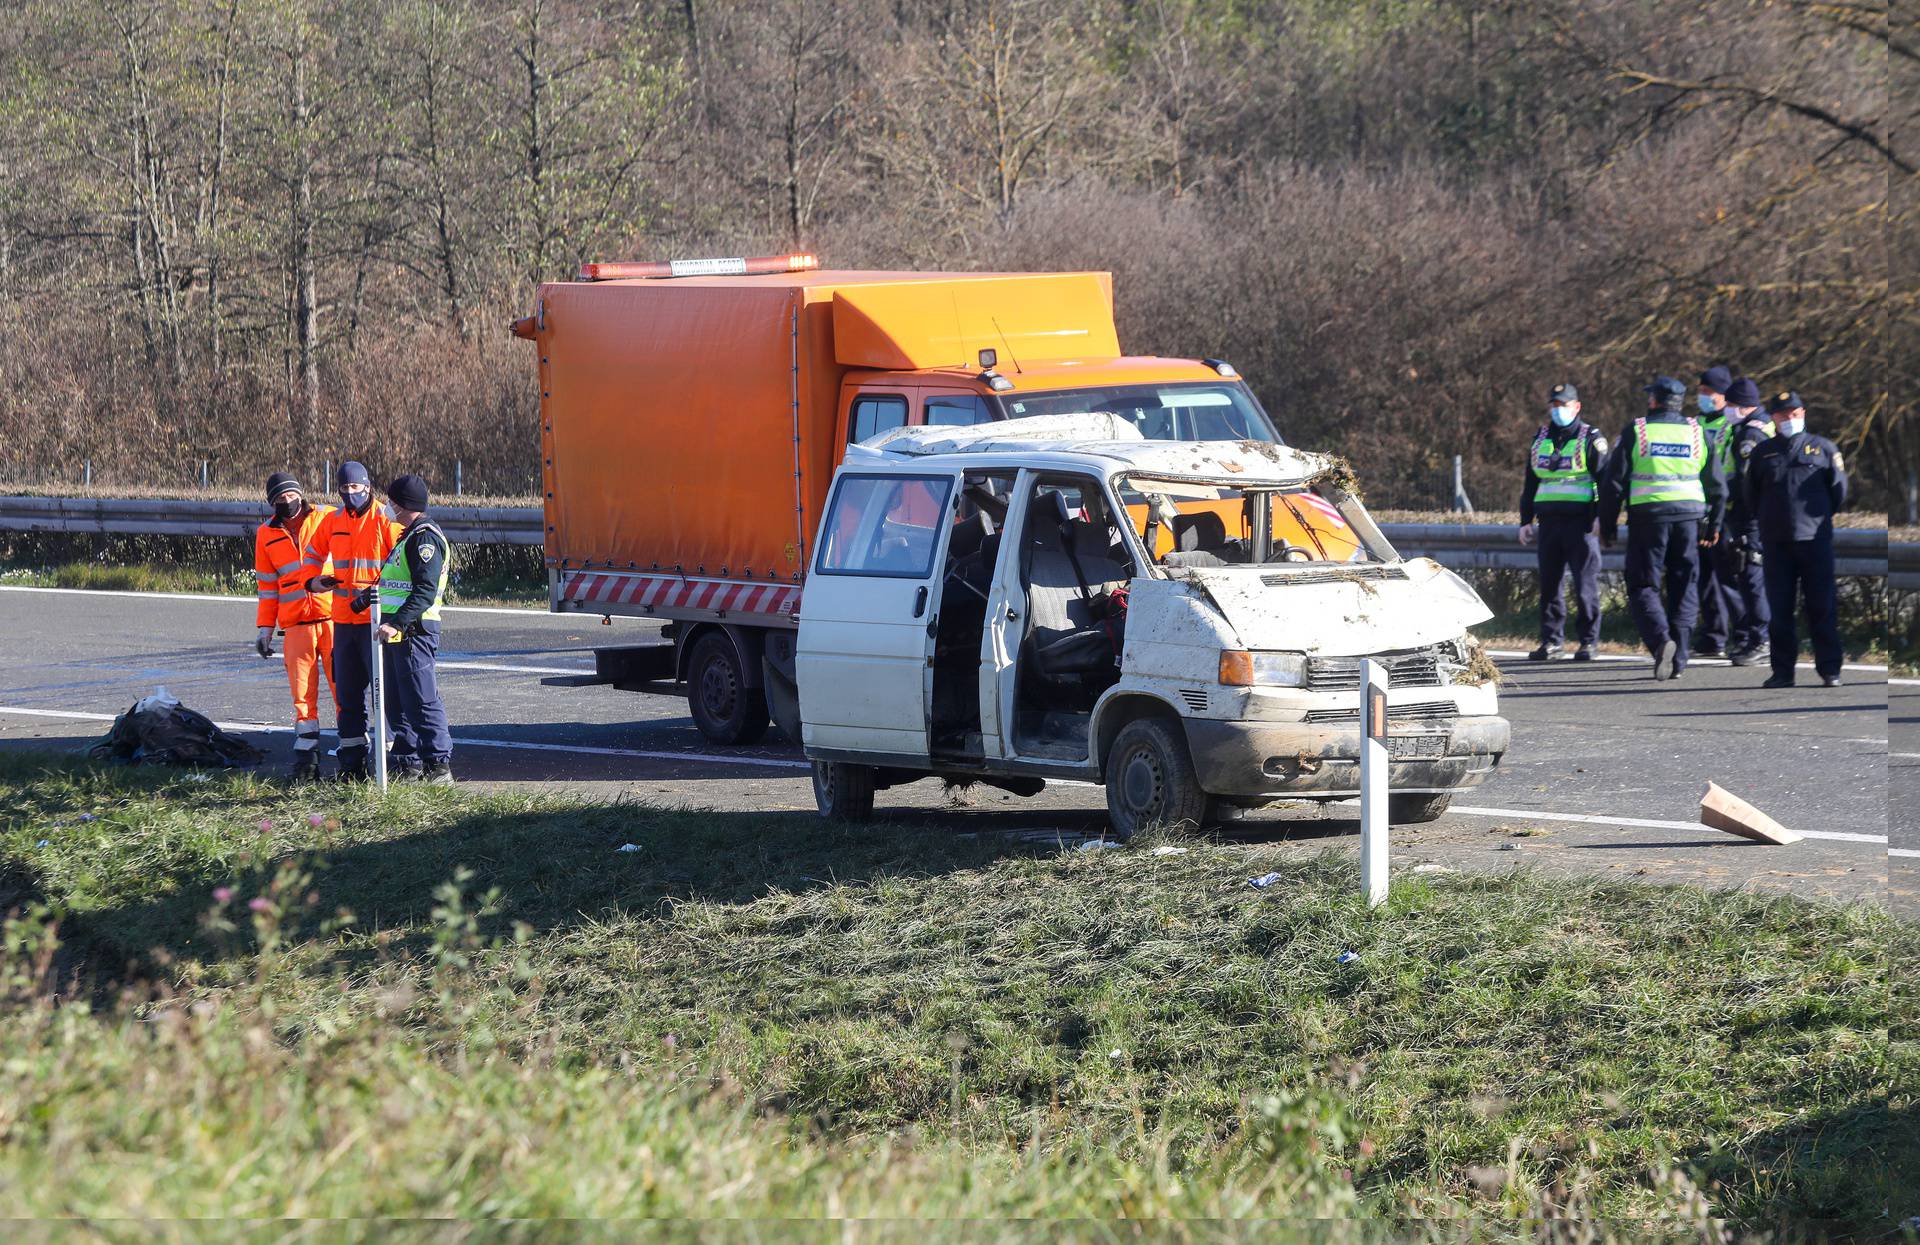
point(1150, 779)
point(725, 709)
point(1411, 809)
point(843, 792)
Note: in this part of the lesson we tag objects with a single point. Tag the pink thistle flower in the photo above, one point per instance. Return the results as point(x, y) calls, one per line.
point(223, 894)
point(265, 825)
point(316, 820)
point(259, 903)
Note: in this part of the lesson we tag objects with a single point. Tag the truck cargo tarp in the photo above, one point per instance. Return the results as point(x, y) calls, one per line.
point(1025, 319)
point(693, 424)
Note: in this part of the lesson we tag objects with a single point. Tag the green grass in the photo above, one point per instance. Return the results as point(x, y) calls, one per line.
point(473, 1004)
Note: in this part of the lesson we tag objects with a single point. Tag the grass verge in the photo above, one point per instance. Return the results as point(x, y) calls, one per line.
point(324, 1002)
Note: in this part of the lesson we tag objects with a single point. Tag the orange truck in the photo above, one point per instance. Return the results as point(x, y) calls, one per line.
point(693, 412)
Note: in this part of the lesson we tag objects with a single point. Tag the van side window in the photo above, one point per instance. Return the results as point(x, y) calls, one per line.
point(956, 412)
point(877, 414)
point(888, 526)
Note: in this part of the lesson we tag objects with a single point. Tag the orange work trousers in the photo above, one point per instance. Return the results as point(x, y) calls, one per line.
point(309, 651)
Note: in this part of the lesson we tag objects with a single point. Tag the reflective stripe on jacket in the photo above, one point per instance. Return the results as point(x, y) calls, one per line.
point(356, 548)
point(1667, 461)
point(280, 572)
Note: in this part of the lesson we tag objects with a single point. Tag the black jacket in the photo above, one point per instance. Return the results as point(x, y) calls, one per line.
point(1747, 435)
point(1615, 485)
point(1563, 439)
point(1794, 487)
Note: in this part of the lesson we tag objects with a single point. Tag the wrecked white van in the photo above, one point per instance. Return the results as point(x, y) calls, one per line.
point(1182, 623)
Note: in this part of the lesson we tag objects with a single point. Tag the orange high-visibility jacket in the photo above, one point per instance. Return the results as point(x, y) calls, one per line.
point(355, 548)
point(279, 564)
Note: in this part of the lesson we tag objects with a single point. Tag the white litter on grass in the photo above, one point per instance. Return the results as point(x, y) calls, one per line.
point(196, 775)
point(627, 847)
point(1431, 869)
point(1168, 851)
point(1264, 880)
point(1116, 1054)
point(1095, 845)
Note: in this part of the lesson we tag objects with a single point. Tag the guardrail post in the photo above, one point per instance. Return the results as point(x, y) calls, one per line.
point(458, 486)
point(86, 474)
point(1373, 782)
point(1461, 502)
point(326, 478)
point(203, 473)
point(1913, 499)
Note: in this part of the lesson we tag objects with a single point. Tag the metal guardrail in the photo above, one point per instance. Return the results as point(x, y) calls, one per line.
point(1858, 551)
point(167, 516)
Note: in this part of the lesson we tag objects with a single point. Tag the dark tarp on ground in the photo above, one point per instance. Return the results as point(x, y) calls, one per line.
point(159, 730)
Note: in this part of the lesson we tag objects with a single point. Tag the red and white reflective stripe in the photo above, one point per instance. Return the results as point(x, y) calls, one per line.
point(671, 592)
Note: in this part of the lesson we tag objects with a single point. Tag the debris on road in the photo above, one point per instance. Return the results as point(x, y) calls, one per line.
point(1722, 810)
point(159, 730)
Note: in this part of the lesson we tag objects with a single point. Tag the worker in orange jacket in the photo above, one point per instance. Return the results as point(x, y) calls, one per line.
point(286, 606)
point(343, 555)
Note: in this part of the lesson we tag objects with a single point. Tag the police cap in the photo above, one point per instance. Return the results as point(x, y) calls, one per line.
point(1785, 400)
point(1716, 378)
point(1666, 387)
point(1563, 392)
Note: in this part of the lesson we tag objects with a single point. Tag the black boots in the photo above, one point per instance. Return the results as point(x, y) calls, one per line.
point(353, 764)
point(438, 773)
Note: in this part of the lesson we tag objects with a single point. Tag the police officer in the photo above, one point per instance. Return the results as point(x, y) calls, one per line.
point(1561, 487)
point(1738, 552)
point(1716, 610)
point(1795, 483)
point(1674, 494)
point(413, 582)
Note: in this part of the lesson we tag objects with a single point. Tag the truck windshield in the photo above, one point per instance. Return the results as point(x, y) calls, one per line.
point(1183, 411)
point(1187, 523)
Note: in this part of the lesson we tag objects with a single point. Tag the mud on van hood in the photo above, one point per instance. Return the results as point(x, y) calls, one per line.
point(1341, 611)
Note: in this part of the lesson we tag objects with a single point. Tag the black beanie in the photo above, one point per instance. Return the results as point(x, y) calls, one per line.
point(279, 482)
point(409, 492)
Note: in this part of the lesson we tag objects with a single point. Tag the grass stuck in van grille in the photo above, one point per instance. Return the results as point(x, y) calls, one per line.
point(328, 1003)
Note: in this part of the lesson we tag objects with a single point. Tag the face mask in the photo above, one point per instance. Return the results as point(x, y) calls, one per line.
point(1706, 404)
point(1562, 415)
point(286, 509)
point(1790, 427)
point(356, 501)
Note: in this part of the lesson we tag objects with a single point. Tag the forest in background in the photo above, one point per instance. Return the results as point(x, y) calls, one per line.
point(268, 233)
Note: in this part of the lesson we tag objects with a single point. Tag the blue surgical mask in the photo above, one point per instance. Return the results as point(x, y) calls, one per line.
point(1706, 404)
point(1790, 427)
point(1562, 415)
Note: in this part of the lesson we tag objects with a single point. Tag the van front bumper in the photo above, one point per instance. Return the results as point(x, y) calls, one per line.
point(1277, 760)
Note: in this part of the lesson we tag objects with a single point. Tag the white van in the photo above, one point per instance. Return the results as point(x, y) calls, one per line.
point(1180, 622)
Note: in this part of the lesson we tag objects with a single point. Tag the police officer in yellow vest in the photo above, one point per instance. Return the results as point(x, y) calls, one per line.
point(1559, 508)
point(1675, 495)
point(413, 583)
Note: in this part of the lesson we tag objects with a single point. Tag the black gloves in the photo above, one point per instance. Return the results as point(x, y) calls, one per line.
point(363, 599)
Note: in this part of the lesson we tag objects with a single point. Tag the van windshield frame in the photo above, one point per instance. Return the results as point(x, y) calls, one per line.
point(1189, 522)
point(1144, 406)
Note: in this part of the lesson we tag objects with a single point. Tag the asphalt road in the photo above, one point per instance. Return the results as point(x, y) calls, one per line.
point(1903, 797)
point(1605, 774)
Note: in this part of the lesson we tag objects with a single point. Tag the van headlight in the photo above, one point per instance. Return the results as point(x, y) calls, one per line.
point(1240, 668)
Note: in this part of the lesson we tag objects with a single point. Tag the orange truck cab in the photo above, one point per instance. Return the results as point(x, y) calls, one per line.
point(693, 412)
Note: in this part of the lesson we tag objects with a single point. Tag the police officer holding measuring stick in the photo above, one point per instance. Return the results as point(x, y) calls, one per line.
point(413, 584)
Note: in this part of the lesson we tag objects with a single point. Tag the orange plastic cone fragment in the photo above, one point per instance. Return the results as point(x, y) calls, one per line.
point(1723, 810)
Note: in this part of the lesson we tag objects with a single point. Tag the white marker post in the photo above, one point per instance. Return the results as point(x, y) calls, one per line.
point(378, 735)
point(1373, 782)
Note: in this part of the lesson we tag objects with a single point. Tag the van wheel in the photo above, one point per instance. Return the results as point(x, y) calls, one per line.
point(843, 792)
point(1150, 779)
point(1411, 810)
point(725, 709)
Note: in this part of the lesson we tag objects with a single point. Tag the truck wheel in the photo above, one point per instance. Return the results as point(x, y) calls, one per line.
point(843, 792)
point(725, 709)
point(1411, 810)
point(1150, 779)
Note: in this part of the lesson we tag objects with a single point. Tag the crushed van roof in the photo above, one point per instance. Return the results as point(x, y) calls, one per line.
point(1101, 442)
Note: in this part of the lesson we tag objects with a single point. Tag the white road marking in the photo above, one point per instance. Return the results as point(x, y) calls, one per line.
point(470, 742)
point(1902, 851)
point(1837, 835)
point(524, 611)
point(1905, 682)
point(1691, 661)
point(491, 665)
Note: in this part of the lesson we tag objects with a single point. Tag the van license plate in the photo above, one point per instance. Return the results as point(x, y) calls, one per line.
point(1411, 747)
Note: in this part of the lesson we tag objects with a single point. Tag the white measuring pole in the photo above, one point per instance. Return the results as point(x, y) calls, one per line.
point(378, 735)
point(1373, 781)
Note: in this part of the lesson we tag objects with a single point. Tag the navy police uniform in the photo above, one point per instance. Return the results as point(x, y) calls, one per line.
point(1794, 486)
point(1675, 496)
point(1561, 490)
point(413, 583)
point(1737, 556)
point(1712, 638)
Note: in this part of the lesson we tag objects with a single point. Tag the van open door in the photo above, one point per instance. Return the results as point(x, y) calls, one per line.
point(867, 619)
